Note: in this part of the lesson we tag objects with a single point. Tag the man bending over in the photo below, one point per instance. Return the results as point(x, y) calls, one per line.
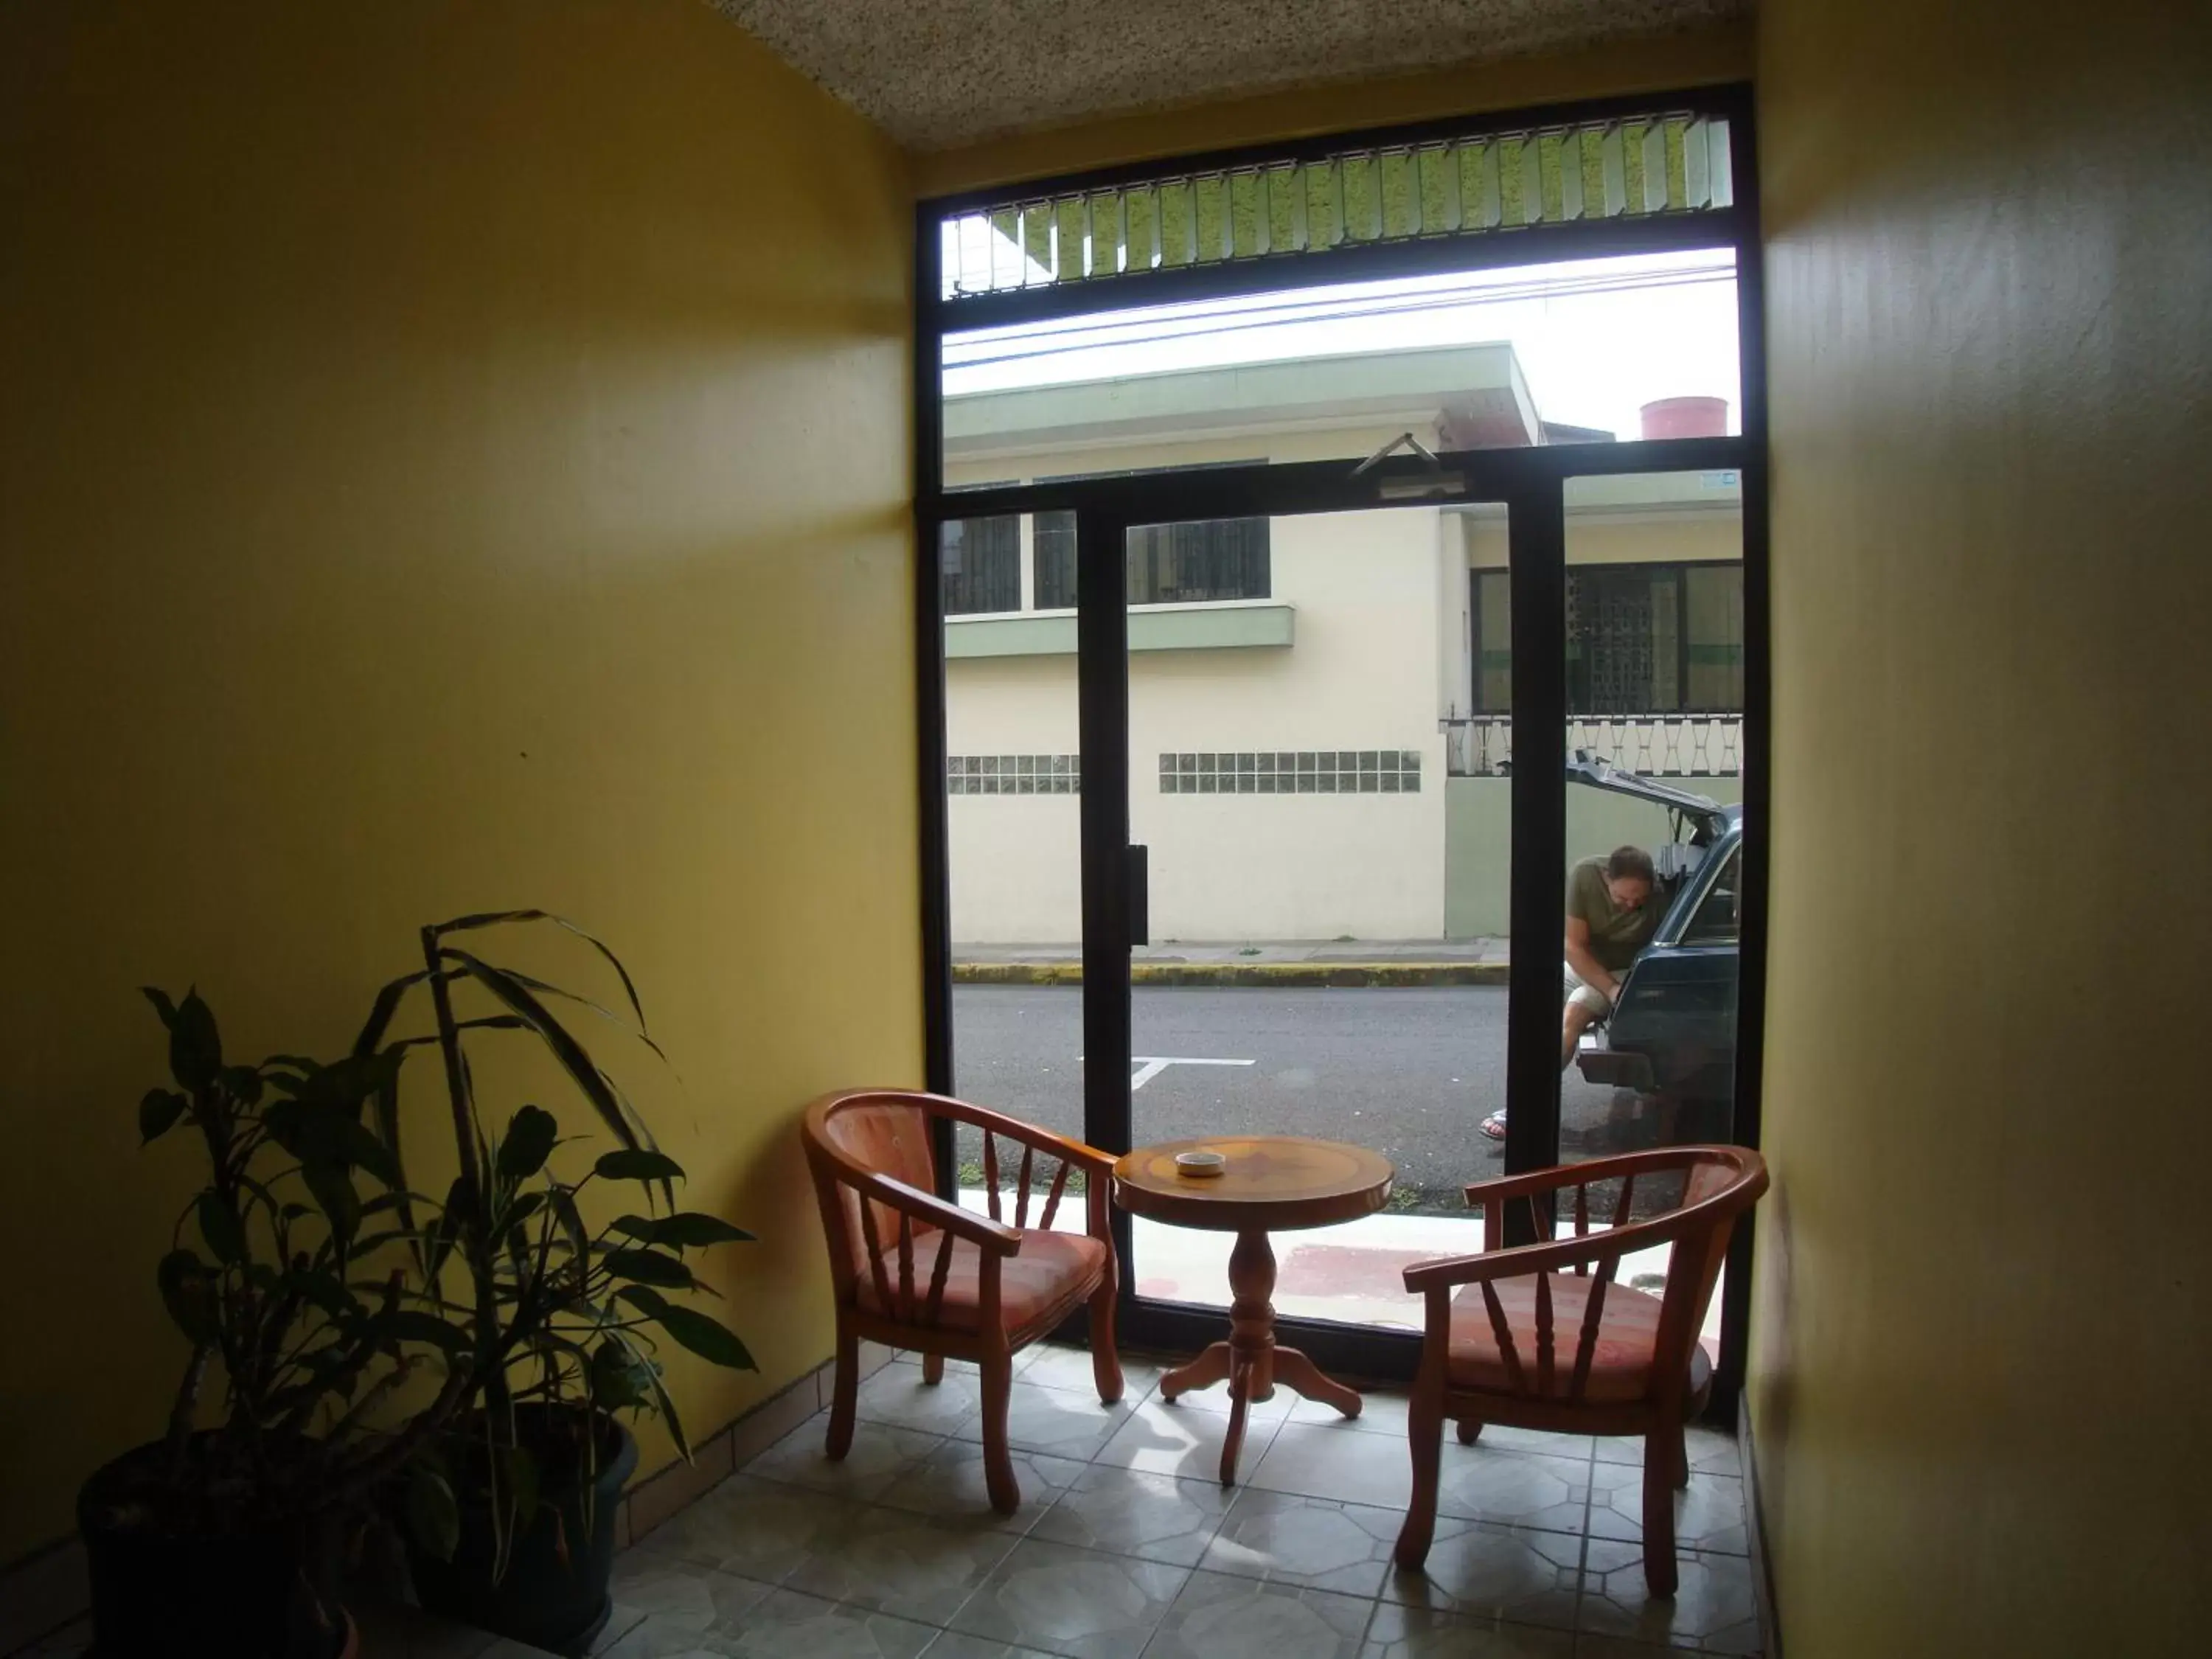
point(1610, 918)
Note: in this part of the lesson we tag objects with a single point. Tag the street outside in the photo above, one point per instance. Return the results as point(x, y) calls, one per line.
point(1410, 1073)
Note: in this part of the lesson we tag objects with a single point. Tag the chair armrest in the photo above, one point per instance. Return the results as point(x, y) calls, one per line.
point(1657, 1162)
point(1087, 1158)
point(1449, 1271)
point(979, 1230)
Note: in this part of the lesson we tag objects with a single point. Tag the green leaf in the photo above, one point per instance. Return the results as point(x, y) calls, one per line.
point(195, 1046)
point(243, 1082)
point(409, 1325)
point(690, 1230)
point(618, 1381)
point(636, 1163)
point(519, 1469)
point(648, 1267)
point(220, 1228)
point(432, 1517)
point(531, 1134)
point(708, 1338)
point(381, 1011)
point(574, 1058)
point(184, 1292)
point(572, 1222)
point(163, 1005)
point(332, 1188)
point(495, 918)
point(159, 1109)
point(326, 1290)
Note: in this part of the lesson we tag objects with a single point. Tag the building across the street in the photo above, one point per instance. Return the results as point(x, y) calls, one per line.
point(1356, 661)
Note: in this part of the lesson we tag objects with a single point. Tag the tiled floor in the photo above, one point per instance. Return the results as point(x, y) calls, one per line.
point(1127, 1544)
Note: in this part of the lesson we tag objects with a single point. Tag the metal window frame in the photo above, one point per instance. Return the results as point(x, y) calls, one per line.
point(1531, 484)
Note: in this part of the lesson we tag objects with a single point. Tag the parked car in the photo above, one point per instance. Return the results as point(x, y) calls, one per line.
point(1673, 1031)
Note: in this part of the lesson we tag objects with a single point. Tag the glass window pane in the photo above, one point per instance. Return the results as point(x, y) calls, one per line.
point(1055, 560)
point(1589, 351)
point(980, 561)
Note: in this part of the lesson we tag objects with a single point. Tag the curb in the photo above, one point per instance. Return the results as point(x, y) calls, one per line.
point(1251, 975)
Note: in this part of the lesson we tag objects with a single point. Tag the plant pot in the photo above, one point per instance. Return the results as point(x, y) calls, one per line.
point(162, 1590)
point(543, 1599)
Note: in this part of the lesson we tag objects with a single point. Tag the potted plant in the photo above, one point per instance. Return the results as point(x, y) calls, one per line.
point(292, 1287)
point(510, 1507)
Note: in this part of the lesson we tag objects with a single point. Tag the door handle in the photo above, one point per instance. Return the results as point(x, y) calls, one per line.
point(1140, 895)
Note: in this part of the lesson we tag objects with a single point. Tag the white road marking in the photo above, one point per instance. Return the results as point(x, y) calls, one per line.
point(1150, 1065)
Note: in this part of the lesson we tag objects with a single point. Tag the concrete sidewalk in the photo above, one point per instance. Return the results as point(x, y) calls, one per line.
point(1348, 963)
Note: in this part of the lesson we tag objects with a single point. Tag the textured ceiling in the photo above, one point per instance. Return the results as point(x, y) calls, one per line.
point(937, 73)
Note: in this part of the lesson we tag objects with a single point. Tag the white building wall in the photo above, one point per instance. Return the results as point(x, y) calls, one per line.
point(1363, 675)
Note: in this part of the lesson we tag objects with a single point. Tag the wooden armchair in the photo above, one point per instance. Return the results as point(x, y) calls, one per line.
point(1542, 1337)
point(913, 1272)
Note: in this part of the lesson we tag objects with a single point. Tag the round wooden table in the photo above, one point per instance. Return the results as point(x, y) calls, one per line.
point(1271, 1183)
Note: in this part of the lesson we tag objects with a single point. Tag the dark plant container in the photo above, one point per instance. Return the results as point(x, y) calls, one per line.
point(544, 1599)
point(161, 1589)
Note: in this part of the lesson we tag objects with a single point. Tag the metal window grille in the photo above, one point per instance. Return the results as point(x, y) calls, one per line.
point(980, 563)
point(1481, 185)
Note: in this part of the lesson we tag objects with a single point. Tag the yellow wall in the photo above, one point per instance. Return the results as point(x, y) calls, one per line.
point(1667, 61)
point(1982, 1328)
point(455, 456)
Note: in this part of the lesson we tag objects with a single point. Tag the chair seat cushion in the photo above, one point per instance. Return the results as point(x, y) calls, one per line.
point(1051, 1273)
point(1620, 1366)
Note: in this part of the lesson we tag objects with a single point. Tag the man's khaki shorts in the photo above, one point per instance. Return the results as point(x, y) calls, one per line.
point(1585, 996)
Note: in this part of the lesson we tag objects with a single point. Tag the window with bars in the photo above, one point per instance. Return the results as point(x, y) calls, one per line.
point(980, 564)
point(1169, 563)
point(1642, 639)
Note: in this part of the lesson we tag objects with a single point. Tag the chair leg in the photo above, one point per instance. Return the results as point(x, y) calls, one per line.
point(845, 1401)
point(1105, 1359)
point(1678, 1447)
point(1659, 1577)
point(932, 1369)
point(1469, 1430)
point(1425, 1435)
point(998, 1464)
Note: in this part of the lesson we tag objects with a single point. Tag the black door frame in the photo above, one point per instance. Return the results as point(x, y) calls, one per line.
point(1531, 484)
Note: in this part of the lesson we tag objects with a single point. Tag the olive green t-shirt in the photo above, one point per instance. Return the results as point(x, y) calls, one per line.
point(1616, 935)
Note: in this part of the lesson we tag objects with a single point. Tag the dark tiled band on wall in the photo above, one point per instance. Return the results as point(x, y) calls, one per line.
point(1014, 774)
point(1293, 772)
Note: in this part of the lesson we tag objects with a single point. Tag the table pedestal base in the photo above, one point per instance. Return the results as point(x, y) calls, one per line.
point(1249, 1360)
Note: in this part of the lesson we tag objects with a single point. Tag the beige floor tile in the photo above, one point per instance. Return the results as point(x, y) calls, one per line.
point(1521, 1489)
point(759, 1529)
point(897, 1396)
point(956, 1644)
point(1334, 1460)
point(1129, 1512)
point(1410, 1633)
point(663, 1606)
point(913, 1566)
point(879, 1454)
point(1217, 1616)
point(1711, 1608)
point(791, 1626)
point(1181, 1440)
point(1064, 1422)
point(1287, 1538)
point(1503, 1437)
point(1516, 1574)
point(1083, 1603)
point(1711, 1451)
point(1059, 1367)
point(1708, 1513)
point(1275, 1408)
point(1588, 1646)
point(950, 1481)
point(1382, 1410)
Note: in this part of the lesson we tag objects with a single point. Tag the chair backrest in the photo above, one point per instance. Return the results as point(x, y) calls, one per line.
point(885, 1133)
point(1719, 1183)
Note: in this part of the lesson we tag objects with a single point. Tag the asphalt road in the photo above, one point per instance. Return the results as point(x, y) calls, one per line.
point(1409, 1072)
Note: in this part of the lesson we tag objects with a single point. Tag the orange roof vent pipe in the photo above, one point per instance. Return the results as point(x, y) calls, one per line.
point(1685, 417)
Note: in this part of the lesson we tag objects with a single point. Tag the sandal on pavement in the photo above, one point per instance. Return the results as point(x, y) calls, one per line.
point(1494, 1126)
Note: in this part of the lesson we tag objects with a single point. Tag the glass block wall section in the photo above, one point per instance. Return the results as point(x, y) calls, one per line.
point(1293, 772)
point(1490, 183)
